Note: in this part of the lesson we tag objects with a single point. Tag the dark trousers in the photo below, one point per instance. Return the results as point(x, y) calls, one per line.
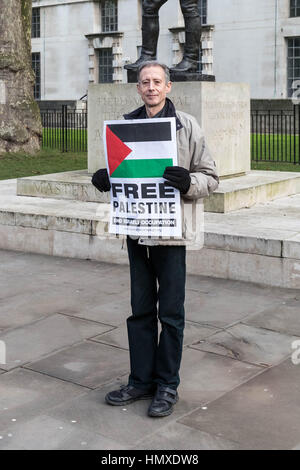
point(188, 7)
point(157, 277)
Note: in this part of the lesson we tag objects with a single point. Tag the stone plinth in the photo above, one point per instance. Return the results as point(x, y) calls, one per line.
point(232, 193)
point(260, 244)
point(222, 109)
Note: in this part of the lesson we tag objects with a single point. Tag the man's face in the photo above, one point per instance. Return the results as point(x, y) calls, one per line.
point(152, 86)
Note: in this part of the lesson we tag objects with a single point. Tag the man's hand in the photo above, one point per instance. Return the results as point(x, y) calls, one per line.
point(101, 181)
point(178, 178)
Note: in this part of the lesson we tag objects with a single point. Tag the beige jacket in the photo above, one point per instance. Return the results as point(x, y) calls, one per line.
point(194, 155)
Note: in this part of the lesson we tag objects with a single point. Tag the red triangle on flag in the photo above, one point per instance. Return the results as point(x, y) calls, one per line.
point(117, 151)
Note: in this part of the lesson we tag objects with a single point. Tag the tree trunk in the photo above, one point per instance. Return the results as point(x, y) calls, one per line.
point(20, 122)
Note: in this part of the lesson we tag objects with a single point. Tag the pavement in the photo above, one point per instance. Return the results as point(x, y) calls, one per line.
point(63, 346)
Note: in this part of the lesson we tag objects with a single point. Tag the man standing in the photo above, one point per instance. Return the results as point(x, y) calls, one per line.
point(154, 361)
point(150, 33)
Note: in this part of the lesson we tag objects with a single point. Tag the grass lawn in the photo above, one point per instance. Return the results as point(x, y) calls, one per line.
point(16, 165)
point(275, 147)
point(277, 166)
point(74, 140)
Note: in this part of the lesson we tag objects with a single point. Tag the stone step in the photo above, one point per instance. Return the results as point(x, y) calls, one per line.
point(261, 244)
point(233, 193)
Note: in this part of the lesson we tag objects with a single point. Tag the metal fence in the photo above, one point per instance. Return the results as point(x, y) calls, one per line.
point(65, 130)
point(275, 135)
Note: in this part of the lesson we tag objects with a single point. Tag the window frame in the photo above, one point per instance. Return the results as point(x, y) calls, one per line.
point(36, 67)
point(294, 8)
point(202, 7)
point(293, 63)
point(109, 16)
point(36, 23)
point(105, 69)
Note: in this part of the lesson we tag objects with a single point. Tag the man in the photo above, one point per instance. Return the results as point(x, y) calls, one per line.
point(155, 363)
point(150, 33)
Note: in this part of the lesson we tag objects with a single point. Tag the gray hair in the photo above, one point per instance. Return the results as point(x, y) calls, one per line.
point(154, 63)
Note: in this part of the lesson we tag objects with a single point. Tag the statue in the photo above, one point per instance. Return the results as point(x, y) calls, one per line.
point(150, 33)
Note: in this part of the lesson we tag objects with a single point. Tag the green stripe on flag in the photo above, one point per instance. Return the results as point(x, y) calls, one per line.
point(150, 168)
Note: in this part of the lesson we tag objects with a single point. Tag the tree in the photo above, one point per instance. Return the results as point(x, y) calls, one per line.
point(20, 122)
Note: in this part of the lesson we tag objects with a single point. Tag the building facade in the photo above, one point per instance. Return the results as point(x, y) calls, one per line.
point(77, 42)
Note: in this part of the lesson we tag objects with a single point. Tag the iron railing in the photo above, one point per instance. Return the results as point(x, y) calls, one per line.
point(65, 130)
point(275, 135)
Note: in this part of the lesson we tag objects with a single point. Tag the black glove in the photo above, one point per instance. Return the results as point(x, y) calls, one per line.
point(101, 181)
point(178, 178)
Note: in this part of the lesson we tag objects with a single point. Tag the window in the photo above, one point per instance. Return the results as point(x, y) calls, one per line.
point(293, 63)
point(109, 15)
point(36, 23)
point(36, 65)
point(199, 68)
point(294, 8)
point(105, 66)
point(202, 5)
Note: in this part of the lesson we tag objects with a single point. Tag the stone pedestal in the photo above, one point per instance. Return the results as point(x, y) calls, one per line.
point(222, 109)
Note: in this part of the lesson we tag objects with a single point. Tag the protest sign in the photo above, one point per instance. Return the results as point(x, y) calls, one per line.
point(137, 153)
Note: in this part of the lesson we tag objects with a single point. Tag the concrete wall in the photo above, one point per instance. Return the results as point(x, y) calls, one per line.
point(249, 42)
point(64, 48)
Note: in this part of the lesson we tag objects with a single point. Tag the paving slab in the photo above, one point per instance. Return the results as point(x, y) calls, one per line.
point(206, 376)
point(35, 340)
point(176, 436)
point(23, 309)
point(45, 433)
point(93, 300)
point(262, 216)
point(283, 318)
point(203, 284)
point(224, 306)
point(249, 344)
point(89, 364)
point(124, 424)
point(111, 310)
point(118, 337)
point(25, 394)
point(262, 414)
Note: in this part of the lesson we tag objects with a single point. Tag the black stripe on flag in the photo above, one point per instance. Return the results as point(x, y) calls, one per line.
point(140, 132)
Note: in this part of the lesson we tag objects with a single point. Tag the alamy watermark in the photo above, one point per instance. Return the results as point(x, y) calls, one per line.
point(2, 352)
point(296, 353)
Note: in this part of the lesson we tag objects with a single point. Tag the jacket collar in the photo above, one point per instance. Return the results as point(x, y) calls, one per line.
point(169, 111)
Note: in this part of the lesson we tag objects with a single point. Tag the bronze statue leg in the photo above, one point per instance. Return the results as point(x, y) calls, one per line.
point(150, 32)
point(192, 23)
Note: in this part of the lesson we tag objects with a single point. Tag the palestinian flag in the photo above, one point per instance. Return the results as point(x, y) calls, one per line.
point(140, 148)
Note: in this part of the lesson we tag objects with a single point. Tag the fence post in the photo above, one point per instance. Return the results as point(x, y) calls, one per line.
point(294, 129)
point(64, 129)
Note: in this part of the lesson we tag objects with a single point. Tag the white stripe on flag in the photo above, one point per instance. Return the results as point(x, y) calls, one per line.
point(145, 150)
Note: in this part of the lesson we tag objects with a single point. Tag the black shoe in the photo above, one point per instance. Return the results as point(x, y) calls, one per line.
point(127, 394)
point(140, 61)
point(163, 402)
point(186, 65)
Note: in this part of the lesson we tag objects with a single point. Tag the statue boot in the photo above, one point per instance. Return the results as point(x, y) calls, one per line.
point(191, 53)
point(150, 33)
